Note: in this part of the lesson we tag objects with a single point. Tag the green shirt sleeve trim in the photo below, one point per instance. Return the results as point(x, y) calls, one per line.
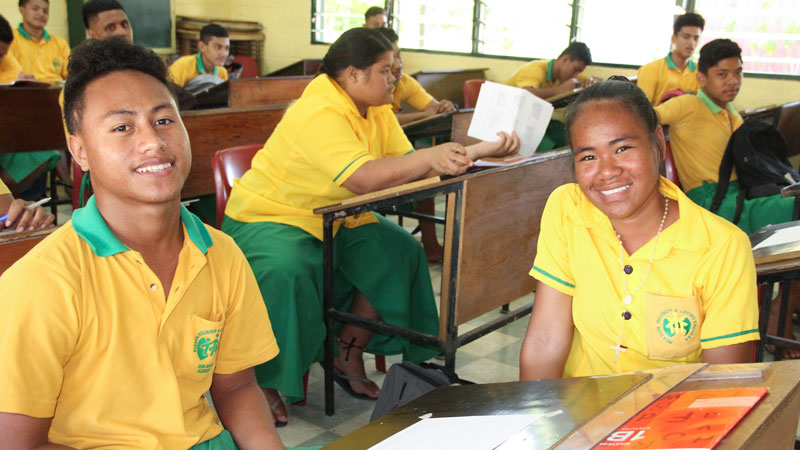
point(553, 277)
point(409, 152)
point(348, 166)
point(740, 333)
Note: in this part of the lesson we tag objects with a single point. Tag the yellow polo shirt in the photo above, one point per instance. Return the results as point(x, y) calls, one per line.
point(4, 189)
point(662, 75)
point(700, 293)
point(46, 58)
point(321, 140)
point(537, 74)
point(89, 337)
point(699, 131)
point(9, 68)
point(409, 90)
point(185, 68)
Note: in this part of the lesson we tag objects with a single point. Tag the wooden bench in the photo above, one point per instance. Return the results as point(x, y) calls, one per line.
point(267, 91)
point(302, 67)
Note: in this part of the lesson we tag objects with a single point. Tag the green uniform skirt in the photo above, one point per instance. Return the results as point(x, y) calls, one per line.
point(381, 260)
point(756, 213)
point(20, 165)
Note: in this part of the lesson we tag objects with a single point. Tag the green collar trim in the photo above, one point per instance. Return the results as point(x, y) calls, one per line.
point(713, 107)
point(200, 68)
point(25, 34)
point(549, 70)
point(671, 65)
point(92, 228)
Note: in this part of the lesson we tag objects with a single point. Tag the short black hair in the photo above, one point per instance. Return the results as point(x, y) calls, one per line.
point(616, 89)
point(95, 58)
point(715, 51)
point(92, 8)
point(389, 34)
point(578, 51)
point(358, 47)
point(5, 31)
point(212, 30)
point(25, 2)
point(688, 20)
point(374, 11)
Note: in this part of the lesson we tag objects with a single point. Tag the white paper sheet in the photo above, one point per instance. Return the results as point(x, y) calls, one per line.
point(783, 236)
point(508, 108)
point(463, 433)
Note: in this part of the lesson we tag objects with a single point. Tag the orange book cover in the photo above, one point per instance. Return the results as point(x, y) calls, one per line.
point(685, 420)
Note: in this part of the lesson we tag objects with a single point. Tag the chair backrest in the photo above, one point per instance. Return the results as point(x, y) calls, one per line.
point(228, 165)
point(670, 171)
point(249, 66)
point(471, 89)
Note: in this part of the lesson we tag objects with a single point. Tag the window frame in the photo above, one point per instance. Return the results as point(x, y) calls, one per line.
point(689, 6)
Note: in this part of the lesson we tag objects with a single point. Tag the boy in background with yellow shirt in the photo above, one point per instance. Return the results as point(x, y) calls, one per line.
point(134, 309)
point(676, 70)
point(10, 70)
point(39, 53)
point(548, 78)
point(214, 46)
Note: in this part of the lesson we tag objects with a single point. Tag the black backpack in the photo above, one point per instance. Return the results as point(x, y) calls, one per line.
point(758, 151)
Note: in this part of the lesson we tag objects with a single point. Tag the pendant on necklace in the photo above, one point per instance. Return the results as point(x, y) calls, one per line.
point(628, 299)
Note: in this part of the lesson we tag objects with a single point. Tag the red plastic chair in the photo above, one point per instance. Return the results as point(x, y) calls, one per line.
point(249, 66)
point(670, 172)
point(471, 89)
point(228, 165)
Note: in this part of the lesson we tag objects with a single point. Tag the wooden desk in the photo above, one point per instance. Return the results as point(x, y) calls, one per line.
point(769, 113)
point(438, 125)
point(15, 246)
point(447, 84)
point(565, 99)
point(302, 67)
point(30, 119)
point(267, 91)
point(493, 219)
point(592, 408)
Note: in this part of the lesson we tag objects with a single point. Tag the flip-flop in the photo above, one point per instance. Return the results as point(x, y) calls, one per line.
point(343, 381)
point(272, 408)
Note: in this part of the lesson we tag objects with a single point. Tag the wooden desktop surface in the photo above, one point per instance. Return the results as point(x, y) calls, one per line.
point(776, 258)
point(267, 91)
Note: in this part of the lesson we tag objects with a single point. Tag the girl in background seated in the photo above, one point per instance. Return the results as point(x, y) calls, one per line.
point(632, 274)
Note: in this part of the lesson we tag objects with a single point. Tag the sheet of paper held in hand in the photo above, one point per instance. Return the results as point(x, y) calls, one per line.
point(783, 236)
point(464, 433)
point(508, 108)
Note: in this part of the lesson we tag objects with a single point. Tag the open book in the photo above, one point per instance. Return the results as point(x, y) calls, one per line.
point(507, 108)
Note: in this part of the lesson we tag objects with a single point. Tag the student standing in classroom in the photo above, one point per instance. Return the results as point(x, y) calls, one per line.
point(39, 53)
point(676, 70)
point(339, 140)
point(134, 309)
point(214, 47)
point(10, 70)
point(18, 216)
point(375, 17)
point(633, 275)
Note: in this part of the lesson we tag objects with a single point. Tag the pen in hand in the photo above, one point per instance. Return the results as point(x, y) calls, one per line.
point(31, 206)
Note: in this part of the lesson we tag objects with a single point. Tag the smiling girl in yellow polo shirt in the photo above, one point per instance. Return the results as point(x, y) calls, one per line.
point(338, 140)
point(632, 274)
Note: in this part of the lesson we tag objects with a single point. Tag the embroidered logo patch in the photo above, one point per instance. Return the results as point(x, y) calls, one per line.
point(676, 325)
point(206, 344)
point(56, 63)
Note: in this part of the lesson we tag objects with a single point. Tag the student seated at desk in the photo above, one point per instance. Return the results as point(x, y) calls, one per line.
point(10, 70)
point(134, 310)
point(214, 46)
point(339, 140)
point(19, 217)
point(676, 70)
point(632, 274)
point(39, 53)
point(375, 17)
point(408, 90)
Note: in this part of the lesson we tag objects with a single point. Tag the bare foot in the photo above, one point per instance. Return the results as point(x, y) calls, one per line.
point(277, 407)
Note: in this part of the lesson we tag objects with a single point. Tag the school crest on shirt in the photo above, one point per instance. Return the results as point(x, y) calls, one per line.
point(676, 325)
point(206, 344)
point(56, 63)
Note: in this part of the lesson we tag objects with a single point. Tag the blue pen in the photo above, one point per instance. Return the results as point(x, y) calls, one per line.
point(31, 206)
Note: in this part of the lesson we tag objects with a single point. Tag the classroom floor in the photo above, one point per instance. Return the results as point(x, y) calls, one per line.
point(492, 358)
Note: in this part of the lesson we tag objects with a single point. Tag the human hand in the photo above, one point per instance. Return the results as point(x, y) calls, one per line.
point(445, 106)
point(588, 81)
point(23, 219)
point(450, 159)
point(506, 145)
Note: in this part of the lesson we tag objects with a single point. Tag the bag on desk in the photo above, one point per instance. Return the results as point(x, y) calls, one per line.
point(406, 381)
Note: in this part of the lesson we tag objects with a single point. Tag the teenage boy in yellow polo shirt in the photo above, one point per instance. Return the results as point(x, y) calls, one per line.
point(10, 70)
point(676, 70)
point(547, 78)
point(39, 53)
point(700, 127)
point(134, 309)
point(214, 46)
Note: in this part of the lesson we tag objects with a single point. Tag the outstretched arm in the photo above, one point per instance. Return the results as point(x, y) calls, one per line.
point(547, 342)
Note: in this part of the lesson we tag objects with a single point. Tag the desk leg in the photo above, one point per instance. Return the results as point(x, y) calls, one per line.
point(784, 311)
point(451, 342)
point(327, 299)
point(763, 319)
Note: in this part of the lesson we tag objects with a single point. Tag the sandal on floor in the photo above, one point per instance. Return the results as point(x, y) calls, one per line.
point(278, 402)
point(343, 381)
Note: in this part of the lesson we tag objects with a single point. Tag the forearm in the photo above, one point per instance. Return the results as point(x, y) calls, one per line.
point(244, 412)
point(540, 359)
point(405, 118)
point(384, 173)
